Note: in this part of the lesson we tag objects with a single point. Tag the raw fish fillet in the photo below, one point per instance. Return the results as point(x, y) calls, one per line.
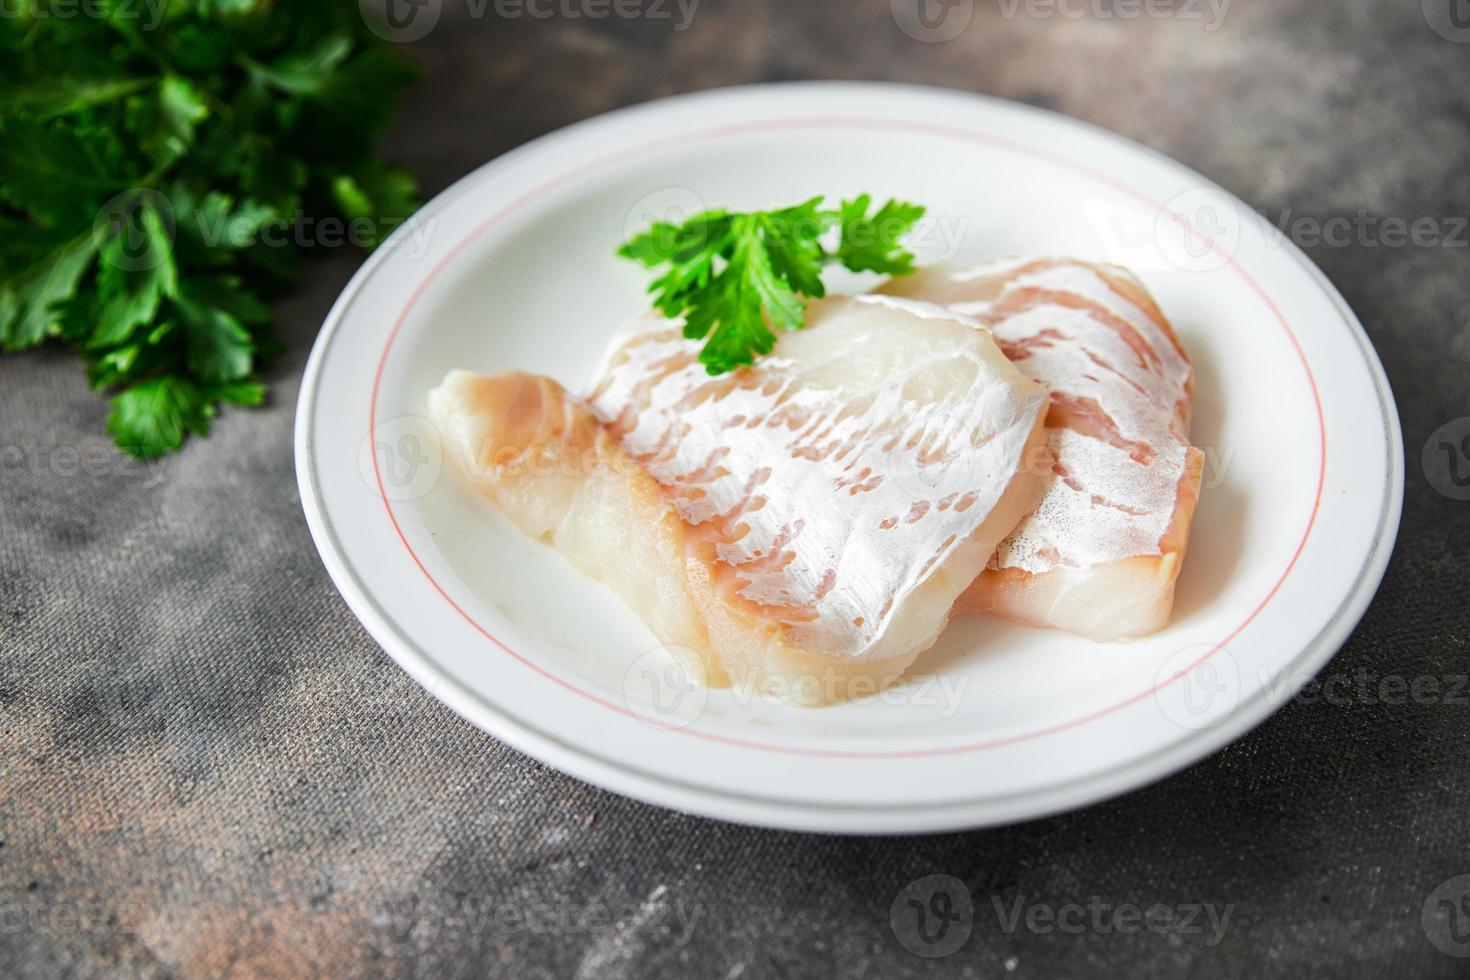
point(1101, 552)
point(802, 527)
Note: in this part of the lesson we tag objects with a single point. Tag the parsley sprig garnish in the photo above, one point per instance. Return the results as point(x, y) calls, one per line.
point(162, 168)
point(736, 278)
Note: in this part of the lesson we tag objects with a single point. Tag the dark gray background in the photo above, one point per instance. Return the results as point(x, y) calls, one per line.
point(210, 769)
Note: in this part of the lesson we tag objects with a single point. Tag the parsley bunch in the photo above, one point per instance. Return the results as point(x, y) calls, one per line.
point(162, 168)
point(737, 277)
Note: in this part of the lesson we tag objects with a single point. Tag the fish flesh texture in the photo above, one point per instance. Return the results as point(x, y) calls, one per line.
point(1101, 552)
point(802, 527)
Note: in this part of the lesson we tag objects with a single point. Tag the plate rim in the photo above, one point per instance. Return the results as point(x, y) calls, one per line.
point(653, 787)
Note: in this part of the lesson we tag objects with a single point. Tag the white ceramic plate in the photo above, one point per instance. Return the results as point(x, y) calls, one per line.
point(513, 267)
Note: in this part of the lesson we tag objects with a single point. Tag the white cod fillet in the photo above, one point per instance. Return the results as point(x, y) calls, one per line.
point(1101, 552)
point(802, 527)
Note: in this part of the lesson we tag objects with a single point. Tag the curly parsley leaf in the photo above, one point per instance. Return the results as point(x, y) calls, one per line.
point(737, 278)
point(872, 243)
point(161, 174)
point(152, 417)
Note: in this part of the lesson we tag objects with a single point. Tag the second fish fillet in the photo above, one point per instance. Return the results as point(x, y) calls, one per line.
point(1102, 551)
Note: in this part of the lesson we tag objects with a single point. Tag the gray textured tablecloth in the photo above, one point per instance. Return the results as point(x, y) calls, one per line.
point(210, 769)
